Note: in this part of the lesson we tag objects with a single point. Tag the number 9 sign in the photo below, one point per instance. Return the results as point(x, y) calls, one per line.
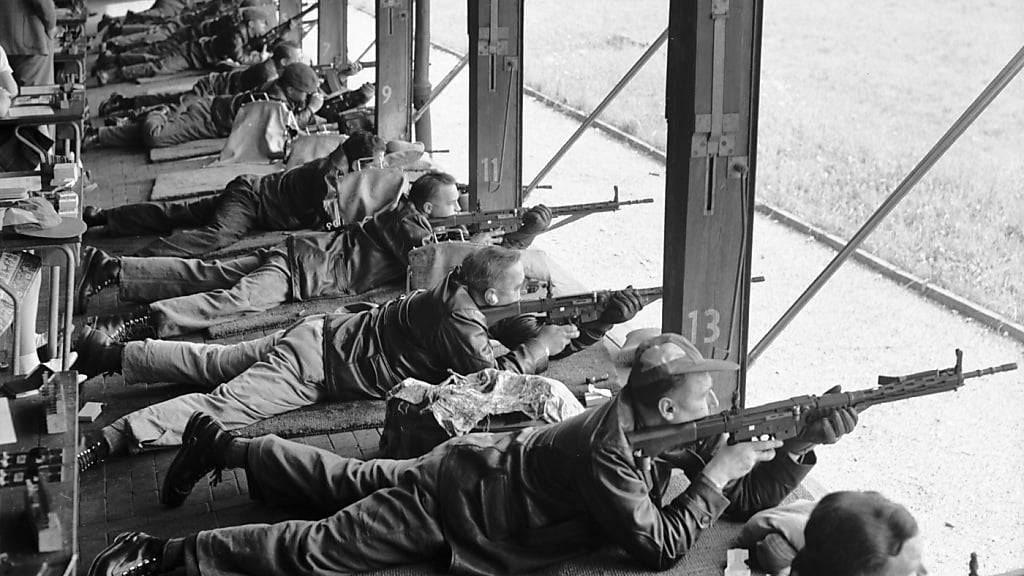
point(385, 93)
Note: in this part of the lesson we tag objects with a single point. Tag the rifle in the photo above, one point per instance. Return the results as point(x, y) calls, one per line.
point(510, 220)
point(277, 32)
point(787, 418)
point(572, 309)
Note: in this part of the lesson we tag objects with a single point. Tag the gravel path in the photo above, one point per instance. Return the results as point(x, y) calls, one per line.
point(954, 459)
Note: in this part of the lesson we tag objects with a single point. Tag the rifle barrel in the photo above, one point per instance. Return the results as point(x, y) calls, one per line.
point(991, 370)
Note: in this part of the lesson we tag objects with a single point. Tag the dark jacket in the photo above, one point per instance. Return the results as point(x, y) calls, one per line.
point(359, 257)
point(24, 26)
point(513, 503)
point(423, 335)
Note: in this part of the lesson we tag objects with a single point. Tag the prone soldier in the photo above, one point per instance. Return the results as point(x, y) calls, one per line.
point(212, 116)
point(230, 43)
point(338, 356)
point(213, 84)
point(289, 200)
point(505, 503)
point(186, 295)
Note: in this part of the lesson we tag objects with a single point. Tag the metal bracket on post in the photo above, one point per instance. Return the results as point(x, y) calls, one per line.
point(714, 134)
point(495, 70)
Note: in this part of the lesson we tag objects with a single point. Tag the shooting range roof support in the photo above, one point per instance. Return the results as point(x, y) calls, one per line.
point(711, 108)
point(421, 73)
point(394, 69)
point(495, 104)
point(332, 31)
point(1012, 68)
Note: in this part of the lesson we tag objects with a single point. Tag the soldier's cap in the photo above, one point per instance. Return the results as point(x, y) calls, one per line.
point(657, 357)
point(301, 77)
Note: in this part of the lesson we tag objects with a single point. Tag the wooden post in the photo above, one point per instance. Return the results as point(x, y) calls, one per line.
point(394, 69)
point(495, 104)
point(332, 32)
point(711, 108)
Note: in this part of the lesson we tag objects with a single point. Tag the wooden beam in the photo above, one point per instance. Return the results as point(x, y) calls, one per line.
point(332, 33)
point(711, 109)
point(394, 69)
point(495, 104)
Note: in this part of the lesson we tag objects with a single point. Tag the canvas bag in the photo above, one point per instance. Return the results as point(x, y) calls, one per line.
point(260, 132)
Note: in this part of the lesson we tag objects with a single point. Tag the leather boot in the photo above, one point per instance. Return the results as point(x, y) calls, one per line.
point(93, 450)
point(97, 353)
point(99, 270)
point(203, 444)
point(131, 554)
point(128, 327)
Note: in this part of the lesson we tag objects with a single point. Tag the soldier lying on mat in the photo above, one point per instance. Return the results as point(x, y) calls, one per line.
point(338, 356)
point(212, 116)
point(289, 200)
point(187, 295)
point(504, 503)
point(229, 40)
point(213, 84)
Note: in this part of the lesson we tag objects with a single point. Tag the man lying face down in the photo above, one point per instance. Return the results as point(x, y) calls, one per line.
point(186, 295)
point(338, 356)
point(503, 503)
point(289, 200)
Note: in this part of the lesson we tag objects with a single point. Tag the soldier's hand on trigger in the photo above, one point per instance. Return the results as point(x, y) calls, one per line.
point(316, 101)
point(490, 237)
point(736, 461)
point(622, 306)
point(556, 338)
point(536, 219)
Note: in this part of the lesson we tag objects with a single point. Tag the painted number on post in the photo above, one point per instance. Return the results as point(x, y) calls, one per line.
point(385, 92)
point(490, 167)
point(707, 329)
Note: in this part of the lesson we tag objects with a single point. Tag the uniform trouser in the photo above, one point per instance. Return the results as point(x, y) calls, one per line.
point(245, 382)
point(32, 69)
point(187, 123)
point(125, 136)
point(385, 513)
point(142, 65)
point(188, 294)
point(215, 222)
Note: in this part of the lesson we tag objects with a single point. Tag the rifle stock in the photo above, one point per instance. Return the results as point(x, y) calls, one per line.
point(787, 418)
point(572, 309)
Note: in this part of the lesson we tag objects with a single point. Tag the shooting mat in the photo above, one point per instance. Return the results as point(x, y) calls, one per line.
point(191, 183)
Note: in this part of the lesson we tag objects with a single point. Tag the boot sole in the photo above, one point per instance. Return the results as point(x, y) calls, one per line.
point(106, 552)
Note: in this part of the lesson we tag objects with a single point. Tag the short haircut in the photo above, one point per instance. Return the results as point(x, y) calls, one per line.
point(484, 268)
point(427, 185)
point(649, 394)
point(362, 144)
point(285, 50)
point(853, 534)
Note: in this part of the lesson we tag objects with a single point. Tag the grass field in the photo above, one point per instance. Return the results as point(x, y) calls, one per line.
point(852, 95)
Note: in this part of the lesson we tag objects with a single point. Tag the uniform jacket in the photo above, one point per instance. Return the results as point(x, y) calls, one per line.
point(24, 25)
point(360, 256)
point(424, 335)
point(515, 502)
